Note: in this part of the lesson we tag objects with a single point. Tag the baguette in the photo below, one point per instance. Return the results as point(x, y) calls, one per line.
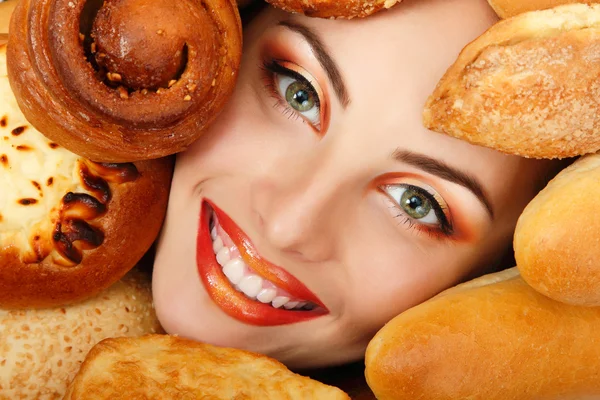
point(498, 340)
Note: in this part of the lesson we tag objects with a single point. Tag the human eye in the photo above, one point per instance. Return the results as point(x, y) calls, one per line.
point(296, 91)
point(422, 208)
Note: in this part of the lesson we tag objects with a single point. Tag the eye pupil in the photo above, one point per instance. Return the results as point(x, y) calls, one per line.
point(415, 204)
point(299, 97)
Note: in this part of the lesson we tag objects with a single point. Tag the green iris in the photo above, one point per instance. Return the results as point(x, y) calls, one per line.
point(415, 204)
point(299, 96)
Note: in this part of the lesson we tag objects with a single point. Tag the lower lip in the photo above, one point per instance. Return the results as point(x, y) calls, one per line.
point(232, 302)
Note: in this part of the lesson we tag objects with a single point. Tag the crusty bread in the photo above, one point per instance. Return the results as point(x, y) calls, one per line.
point(510, 8)
point(162, 367)
point(499, 341)
point(528, 86)
point(557, 238)
point(69, 228)
point(42, 350)
point(343, 9)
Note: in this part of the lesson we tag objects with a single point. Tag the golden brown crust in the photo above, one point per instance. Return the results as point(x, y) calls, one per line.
point(343, 9)
point(134, 85)
point(503, 341)
point(42, 350)
point(69, 227)
point(510, 8)
point(528, 86)
point(556, 238)
point(129, 228)
point(161, 367)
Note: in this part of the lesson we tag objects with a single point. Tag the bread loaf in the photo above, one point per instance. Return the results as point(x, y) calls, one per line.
point(480, 341)
point(557, 238)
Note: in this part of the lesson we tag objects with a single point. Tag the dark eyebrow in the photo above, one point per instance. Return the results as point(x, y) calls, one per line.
point(446, 172)
point(323, 57)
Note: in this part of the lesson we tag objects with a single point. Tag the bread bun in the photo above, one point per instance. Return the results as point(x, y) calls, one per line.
point(42, 350)
point(171, 368)
point(499, 341)
point(510, 8)
point(343, 9)
point(127, 80)
point(69, 227)
point(528, 86)
point(557, 236)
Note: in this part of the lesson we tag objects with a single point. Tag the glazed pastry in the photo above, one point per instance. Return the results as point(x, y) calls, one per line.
point(42, 350)
point(556, 238)
point(510, 8)
point(69, 227)
point(161, 367)
point(528, 86)
point(123, 80)
point(494, 338)
point(345, 9)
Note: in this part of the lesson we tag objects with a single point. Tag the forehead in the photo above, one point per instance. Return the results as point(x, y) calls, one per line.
point(391, 63)
point(417, 40)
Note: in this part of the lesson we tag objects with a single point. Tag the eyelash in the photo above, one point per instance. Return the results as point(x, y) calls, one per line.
point(272, 67)
point(443, 230)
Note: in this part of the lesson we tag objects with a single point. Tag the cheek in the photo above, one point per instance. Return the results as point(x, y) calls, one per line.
point(390, 277)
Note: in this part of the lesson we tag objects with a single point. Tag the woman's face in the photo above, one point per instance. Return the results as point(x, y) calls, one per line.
point(325, 191)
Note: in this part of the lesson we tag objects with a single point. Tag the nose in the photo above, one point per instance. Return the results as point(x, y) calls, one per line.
point(297, 211)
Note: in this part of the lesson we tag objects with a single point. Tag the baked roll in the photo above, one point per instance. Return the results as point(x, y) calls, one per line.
point(42, 350)
point(123, 80)
point(494, 338)
point(162, 367)
point(557, 238)
point(69, 227)
point(528, 86)
point(344, 9)
point(510, 8)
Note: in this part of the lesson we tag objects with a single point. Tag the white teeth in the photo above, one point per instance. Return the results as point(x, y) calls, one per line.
point(234, 270)
point(290, 305)
point(217, 245)
point(301, 304)
point(244, 280)
point(251, 285)
point(280, 301)
point(223, 256)
point(266, 295)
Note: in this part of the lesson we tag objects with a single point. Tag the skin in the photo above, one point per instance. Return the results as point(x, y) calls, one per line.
point(311, 201)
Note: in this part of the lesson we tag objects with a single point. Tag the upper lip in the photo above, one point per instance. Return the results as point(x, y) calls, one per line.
point(262, 267)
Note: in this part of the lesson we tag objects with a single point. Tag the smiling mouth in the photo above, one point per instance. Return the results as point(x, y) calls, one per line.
point(243, 284)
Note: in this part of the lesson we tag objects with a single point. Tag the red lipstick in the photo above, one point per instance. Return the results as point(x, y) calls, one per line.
point(235, 303)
